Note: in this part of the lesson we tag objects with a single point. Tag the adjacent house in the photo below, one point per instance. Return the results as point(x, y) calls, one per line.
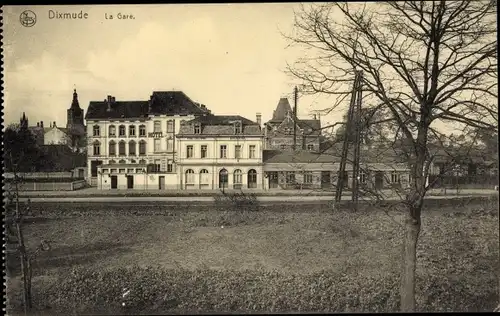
point(73, 135)
point(379, 169)
point(220, 152)
point(280, 133)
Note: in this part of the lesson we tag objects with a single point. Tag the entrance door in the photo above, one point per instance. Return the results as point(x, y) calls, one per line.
point(114, 182)
point(379, 180)
point(273, 179)
point(325, 179)
point(161, 183)
point(130, 182)
point(223, 179)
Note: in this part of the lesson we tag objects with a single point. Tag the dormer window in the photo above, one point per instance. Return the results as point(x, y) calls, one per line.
point(237, 127)
point(197, 128)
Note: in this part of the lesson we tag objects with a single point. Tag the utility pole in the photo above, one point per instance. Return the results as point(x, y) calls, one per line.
point(357, 143)
point(295, 96)
point(352, 125)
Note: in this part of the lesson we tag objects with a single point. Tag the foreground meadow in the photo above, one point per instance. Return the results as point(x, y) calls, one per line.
point(306, 258)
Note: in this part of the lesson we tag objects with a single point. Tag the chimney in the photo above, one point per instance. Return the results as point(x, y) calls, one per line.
point(113, 99)
point(41, 124)
point(108, 100)
point(259, 118)
point(54, 125)
point(314, 116)
point(37, 124)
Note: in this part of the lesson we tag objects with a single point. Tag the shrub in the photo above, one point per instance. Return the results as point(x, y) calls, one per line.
point(211, 291)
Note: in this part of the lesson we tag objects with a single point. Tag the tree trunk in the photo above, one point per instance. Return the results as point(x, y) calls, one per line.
point(408, 273)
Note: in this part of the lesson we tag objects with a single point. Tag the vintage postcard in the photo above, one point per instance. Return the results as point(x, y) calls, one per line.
point(250, 158)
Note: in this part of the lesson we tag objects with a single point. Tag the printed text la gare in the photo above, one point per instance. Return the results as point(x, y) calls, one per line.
point(119, 16)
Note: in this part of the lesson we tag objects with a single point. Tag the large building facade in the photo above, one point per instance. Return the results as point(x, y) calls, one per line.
point(133, 144)
point(220, 152)
point(170, 142)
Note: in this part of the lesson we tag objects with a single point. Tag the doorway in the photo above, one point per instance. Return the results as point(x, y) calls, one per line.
point(114, 182)
point(161, 183)
point(273, 179)
point(325, 180)
point(379, 180)
point(223, 179)
point(130, 182)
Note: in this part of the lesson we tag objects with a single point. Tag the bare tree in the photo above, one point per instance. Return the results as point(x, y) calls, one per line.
point(422, 63)
point(15, 215)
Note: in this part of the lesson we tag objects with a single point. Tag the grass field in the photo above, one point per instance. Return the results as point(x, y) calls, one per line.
point(460, 243)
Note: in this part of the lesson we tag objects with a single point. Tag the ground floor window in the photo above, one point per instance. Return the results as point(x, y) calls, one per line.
point(308, 177)
point(204, 178)
point(190, 178)
point(237, 179)
point(290, 177)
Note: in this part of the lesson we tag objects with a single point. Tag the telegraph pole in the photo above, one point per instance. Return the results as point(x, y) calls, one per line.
point(352, 125)
point(295, 96)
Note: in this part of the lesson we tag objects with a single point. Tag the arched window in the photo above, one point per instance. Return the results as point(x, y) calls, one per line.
point(204, 178)
point(96, 130)
point(142, 147)
point(122, 161)
point(133, 161)
point(131, 148)
point(121, 131)
point(190, 179)
point(131, 130)
point(112, 148)
point(96, 146)
point(142, 130)
point(112, 131)
point(121, 148)
point(237, 179)
point(252, 179)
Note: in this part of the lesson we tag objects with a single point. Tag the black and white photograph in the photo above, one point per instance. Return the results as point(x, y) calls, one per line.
point(250, 158)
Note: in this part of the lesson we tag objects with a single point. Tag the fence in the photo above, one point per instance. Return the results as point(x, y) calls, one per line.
point(40, 175)
point(464, 182)
point(48, 182)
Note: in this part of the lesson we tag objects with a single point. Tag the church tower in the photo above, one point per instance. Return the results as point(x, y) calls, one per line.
point(75, 114)
point(23, 122)
point(75, 126)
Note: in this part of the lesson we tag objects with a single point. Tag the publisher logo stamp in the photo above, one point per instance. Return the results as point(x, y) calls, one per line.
point(28, 18)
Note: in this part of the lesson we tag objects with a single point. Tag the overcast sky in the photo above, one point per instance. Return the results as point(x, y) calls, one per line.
point(230, 57)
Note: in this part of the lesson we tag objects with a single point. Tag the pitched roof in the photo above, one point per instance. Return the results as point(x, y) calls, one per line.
point(282, 109)
point(119, 109)
point(174, 103)
point(220, 125)
point(74, 104)
point(278, 156)
point(309, 127)
point(160, 102)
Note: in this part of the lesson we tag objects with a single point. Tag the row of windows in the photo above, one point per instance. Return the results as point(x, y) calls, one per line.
point(156, 166)
point(283, 146)
point(204, 177)
point(308, 177)
point(222, 151)
point(132, 146)
point(122, 130)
